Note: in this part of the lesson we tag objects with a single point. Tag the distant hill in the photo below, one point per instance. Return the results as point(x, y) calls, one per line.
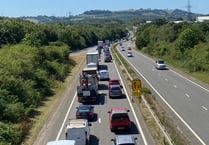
point(123, 15)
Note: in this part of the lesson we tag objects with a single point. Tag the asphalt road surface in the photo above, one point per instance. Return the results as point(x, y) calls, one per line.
point(188, 99)
point(100, 130)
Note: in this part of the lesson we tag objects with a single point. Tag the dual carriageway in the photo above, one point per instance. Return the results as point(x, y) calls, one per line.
point(185, 98)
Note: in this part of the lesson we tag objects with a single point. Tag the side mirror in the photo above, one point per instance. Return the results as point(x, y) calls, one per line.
point(128, 110)
point(89, 124)
point(121, 86)
point(108, 112)
point(135, 138)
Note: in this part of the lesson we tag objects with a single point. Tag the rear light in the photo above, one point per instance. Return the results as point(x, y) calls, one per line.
point(77, 114)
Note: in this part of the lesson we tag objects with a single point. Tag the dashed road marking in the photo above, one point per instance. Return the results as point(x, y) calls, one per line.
point(204, 108)
point(187, 95)
point(99, 120)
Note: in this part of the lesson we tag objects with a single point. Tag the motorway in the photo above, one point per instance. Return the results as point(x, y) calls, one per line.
point(54, 129)
point(187, 99)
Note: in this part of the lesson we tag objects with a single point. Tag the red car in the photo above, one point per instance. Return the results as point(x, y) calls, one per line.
point(129, 48)
point(114, 81)
point(119, 119)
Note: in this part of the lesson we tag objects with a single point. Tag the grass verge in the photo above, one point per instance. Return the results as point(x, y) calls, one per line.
point(44, 111)
point(165, 120)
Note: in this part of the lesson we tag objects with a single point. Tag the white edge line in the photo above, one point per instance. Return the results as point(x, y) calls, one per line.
point(189, 80)
point(195, 134)
point(134, 113)
point(66, 116)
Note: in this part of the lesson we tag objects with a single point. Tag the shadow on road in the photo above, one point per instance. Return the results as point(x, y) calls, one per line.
point(93, 140)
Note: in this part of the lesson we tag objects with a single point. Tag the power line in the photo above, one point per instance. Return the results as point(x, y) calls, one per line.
point(189, 6)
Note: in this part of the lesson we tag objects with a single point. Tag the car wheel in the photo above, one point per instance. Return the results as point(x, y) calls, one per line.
point(111, 130)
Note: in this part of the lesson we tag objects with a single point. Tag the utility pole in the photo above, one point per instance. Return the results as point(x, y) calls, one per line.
point(189, 11)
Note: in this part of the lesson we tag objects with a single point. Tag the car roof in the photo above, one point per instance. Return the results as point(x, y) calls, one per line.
point(114, 79)
point(62, 142)
point(103, 70)
point(122, 139)
point(119, 110)
point(84, 106)
point(115, 86)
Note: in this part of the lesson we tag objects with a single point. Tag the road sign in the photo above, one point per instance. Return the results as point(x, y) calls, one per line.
point(136, 85)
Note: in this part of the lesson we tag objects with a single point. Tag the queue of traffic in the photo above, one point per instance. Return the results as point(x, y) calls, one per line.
point(78, 129)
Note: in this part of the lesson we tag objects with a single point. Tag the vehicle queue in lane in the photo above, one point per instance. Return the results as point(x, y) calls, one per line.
point(101, 125)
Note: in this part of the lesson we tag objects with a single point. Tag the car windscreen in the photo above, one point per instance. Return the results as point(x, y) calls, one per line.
point(84, 109)
point(115, 87)
point(161, 62)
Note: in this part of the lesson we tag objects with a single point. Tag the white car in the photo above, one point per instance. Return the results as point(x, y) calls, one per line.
point(124, 140)
point(122, 48)
point(129, 54)
point(103, 75)
point(160, 64)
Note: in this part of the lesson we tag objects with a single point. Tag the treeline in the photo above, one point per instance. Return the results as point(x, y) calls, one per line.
point(34, 58)
point(183, 44)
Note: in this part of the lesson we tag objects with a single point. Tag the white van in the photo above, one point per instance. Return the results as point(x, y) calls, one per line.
point(61, 142)
point(78, 130)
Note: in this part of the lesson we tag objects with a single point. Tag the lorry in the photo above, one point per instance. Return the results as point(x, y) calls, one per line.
point(100, 44)
point(78, 130)
point(87, 90)
point(92, 57)
point(107, 43)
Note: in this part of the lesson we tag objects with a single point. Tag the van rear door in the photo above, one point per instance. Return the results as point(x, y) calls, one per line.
point(77, 134)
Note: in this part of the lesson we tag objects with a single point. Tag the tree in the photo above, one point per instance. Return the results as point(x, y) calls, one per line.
point(186, 40)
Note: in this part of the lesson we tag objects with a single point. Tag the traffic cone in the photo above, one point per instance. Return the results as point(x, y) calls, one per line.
point(132, 100)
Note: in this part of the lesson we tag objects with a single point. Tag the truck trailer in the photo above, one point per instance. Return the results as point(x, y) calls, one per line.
point(92, 57)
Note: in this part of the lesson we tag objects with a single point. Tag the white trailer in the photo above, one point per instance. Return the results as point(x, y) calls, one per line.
point(61, 142)
point(92, 57)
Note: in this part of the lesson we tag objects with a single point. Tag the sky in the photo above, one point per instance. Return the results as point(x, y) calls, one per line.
point(19, 8)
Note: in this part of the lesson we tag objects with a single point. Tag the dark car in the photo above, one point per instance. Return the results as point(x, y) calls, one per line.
point(85, 112)
point(115, 91)
point(119, 119)
point(107, 57)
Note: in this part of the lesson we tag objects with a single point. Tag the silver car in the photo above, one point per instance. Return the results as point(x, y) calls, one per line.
point(103, 75)
point(129, 54)
point(124, 140)
point(160, 64)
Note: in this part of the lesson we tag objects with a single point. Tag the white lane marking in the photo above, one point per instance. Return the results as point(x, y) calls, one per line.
point(174, 86)
point(187, 125)
point(68, 112)
point(166, 79)
point(99, 120)
point(190, 81)
point(134, 113)
point(187, 95)
point(206, 109)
